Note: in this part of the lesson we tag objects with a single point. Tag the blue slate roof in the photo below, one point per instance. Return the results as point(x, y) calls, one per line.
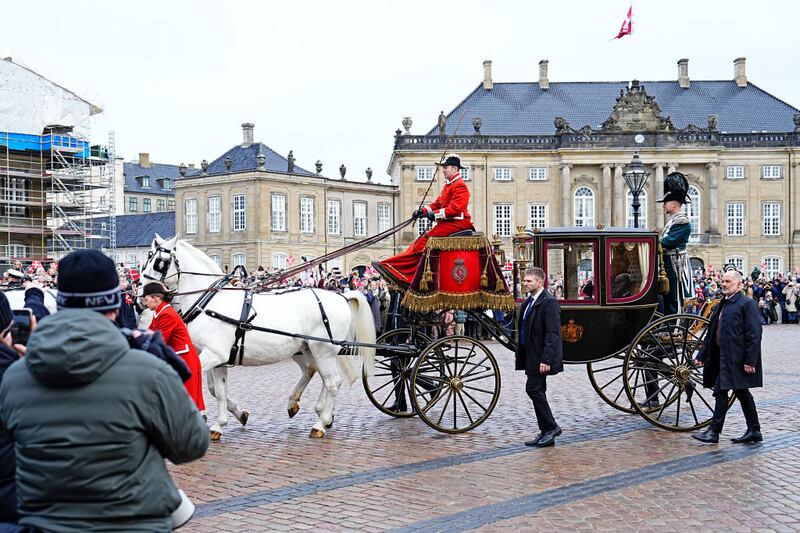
point(138, 230)
point(525, 109)
point(246, 159)
point(155, 171)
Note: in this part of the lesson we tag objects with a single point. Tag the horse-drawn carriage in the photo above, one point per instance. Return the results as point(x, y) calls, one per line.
point(607, 281)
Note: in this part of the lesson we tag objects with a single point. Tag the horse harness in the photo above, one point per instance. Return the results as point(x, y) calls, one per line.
point(244, 324)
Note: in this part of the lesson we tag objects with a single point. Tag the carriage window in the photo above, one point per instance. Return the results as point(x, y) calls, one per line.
point(571, 269)
point(629, 270)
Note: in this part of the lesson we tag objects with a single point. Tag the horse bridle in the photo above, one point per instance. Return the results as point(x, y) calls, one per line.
point(162, 259)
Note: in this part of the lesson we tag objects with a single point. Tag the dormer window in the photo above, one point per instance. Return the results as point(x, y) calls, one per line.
point(165, 184)
point(145, 182)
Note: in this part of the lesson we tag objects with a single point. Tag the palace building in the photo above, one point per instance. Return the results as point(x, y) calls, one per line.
point(254, 207)
point(549, 153)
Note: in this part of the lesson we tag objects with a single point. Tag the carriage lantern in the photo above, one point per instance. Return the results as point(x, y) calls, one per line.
point(636, 178)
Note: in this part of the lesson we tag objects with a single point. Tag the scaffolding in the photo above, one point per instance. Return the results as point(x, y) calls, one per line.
point(55, 196)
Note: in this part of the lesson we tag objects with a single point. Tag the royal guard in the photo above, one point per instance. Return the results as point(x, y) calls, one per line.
point(166, 320)
point(450, 213)
point(674, 237)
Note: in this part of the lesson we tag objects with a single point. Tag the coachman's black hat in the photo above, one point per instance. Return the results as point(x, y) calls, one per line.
point(451, 160)
point(87, 279)
point(156, 287)
point(676, 187)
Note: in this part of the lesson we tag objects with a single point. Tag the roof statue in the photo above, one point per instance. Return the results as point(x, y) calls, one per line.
point(636, 111)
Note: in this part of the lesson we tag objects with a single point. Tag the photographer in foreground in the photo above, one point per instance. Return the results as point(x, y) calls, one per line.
point(92, 419)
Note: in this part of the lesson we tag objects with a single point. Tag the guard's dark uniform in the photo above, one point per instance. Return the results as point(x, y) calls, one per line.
point(674, 237)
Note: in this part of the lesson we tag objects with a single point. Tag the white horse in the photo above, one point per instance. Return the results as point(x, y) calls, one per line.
point(189, 271)
point(16, 298)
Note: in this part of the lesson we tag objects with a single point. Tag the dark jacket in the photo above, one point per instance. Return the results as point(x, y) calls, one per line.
point(127, 316)
point(92, 421)
point(34, 300)
point(543, 340)
point(8, 492)
point(740, 344)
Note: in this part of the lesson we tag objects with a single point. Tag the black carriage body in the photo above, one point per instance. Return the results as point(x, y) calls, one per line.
point(606, 281)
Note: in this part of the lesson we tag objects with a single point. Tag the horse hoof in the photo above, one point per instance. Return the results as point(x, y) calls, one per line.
point(244, 417)
point(316, 433)
point(329, 426)
point(215, 436)
point(293, 410)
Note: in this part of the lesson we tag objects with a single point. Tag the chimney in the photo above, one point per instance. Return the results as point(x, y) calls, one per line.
point(487, 74)
point(144, 160)
point(544, 83)
point(683, 73)
point(191, 165)
point(247, 132)
point(739, 74)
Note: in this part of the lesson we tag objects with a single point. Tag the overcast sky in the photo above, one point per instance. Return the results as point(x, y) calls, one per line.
point(332, 80)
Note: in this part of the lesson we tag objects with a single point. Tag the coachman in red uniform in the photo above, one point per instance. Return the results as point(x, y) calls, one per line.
point(450, 213)
point(169, 323)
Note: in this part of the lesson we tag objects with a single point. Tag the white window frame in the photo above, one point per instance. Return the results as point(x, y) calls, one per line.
point(279, 260)
point(214, 214)
point(306, 214)
point(239, 259)
point(693, 213)
point(737, 261)
point(384, 217)
point(165, 184)
point(238, 212)
point(334, 217)
point(423, 225)
point(583, 205)
point(145, 182)
point(503, 219)
point(542, 216)
point(190, 216)
point(466, 173)
point(217, 259)
point(359, 220)
point(642, 209)
point(772, 269)
point(170, 205)
point(147, 205)
point(425, 173)
point(278, 212)
point(537, 174)
point(15, 192)
point(735, 219)
point(734, 172)
point(133, 204)
point(503, 174)
point(771, 218)
point(771, 172)
point(16, 250)
point(160, 205)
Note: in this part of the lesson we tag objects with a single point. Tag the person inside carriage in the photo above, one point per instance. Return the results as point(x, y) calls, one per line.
point(674, 236)
point(450, 214)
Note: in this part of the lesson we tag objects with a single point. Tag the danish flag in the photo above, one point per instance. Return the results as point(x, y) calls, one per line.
point(627, 25)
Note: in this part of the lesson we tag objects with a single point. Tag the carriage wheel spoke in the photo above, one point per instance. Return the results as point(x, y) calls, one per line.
point(391, 392)
point(455, 421)
point(466, 360)
point(395, 380)
point(475, 367)
point(478, 377)
point(607, 368)
point(699, 395)
point(444, 409)
point(433, 402)
point(664, 405)
point(678, 408)
point(479, 390)
point(479, 404)
point(464, 405)
point(610, 382)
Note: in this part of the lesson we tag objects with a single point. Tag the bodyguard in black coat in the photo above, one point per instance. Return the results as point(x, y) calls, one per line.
point(539, 351)
point(731, 357)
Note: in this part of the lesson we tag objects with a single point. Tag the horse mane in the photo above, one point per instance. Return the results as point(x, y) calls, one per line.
point(206, 261)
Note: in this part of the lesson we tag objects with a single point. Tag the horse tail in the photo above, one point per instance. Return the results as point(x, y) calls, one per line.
point(363, 328)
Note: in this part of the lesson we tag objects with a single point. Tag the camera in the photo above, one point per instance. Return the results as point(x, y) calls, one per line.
point(21, 328)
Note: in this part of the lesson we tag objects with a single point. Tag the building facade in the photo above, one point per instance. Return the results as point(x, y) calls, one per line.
point(149, 187)
point(547, 154)
point(254, 207)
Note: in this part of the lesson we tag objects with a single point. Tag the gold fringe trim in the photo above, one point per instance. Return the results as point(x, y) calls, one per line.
point(663, 280)
point(449, 244)
point(416, 302)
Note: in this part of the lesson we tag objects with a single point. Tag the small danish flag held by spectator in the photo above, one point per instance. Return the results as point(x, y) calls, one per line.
point(291, 260)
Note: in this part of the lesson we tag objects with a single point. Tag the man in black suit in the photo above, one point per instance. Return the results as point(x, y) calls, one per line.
point(539, 352)
point(731, 357)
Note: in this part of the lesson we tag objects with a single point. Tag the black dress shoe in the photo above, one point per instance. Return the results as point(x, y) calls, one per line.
point(549, 438)
point(749, 436)
point(710, 435)
point(534, 442)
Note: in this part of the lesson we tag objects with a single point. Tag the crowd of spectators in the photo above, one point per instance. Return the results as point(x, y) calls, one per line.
point(776, 295)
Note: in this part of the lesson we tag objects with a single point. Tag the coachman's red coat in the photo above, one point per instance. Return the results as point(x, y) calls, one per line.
point(451, 215)
point(169, 323)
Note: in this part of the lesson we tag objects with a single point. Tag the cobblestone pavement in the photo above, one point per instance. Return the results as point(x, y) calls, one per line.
point(608, 471)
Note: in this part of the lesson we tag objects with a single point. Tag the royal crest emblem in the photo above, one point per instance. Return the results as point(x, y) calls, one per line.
point(571, 332)
point(459, 271)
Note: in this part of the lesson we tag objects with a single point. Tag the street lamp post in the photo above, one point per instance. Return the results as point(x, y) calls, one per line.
point(636, 178)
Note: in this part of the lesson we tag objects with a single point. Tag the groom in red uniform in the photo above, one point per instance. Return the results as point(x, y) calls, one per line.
point(449, 211)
